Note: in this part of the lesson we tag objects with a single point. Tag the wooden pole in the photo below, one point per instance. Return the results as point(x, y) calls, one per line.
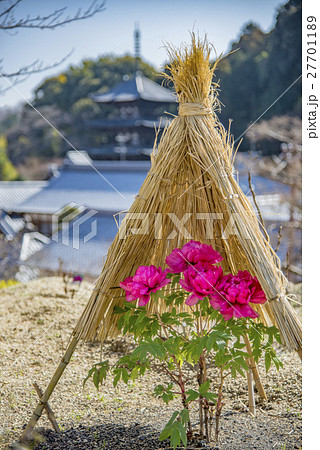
point(255, 372)
point(252, 403)
point(49, 411)
point(27, 433)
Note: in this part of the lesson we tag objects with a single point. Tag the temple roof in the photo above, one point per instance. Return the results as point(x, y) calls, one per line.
point(13, 193)
point(138, 87)
point(105, 186)
point(112, 124)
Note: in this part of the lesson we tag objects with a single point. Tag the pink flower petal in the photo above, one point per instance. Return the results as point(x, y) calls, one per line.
point(143, 300)
point(192, 300)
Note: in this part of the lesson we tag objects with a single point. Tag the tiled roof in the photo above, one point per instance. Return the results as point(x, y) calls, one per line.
point(78, 256)
point(134, 122)
point(10, 226)
point(13, 193)
point(138, 87)
point(109, 187)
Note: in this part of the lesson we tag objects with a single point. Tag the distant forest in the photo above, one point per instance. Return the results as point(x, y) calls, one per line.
point(260, 68)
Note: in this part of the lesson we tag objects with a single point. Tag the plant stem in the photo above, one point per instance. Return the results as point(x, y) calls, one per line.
point(184, 396)
point(201, 379)
point(205, 401)
point(161, 323)
point(200, 321)
point(252, 365)
point(206, 420)
point(171, 375)
point(219, 404)
point(252, 404)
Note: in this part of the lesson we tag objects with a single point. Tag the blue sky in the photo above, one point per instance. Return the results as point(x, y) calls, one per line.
point(112, 32)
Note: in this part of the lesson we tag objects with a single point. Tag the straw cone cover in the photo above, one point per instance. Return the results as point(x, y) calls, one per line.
point(190, 193)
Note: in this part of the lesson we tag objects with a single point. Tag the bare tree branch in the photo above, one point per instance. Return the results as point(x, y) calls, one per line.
point(50, 21)
point(256, 204)
point(279, 239)
point(35, 67)
point(9, 8)
point(24, 72)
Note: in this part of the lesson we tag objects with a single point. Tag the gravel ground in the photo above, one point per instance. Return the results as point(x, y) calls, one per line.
point(35, 322)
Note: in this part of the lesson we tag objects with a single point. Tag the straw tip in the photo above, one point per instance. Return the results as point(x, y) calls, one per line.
point(191, 70)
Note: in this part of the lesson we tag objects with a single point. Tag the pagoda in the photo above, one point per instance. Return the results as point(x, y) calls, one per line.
point(137, 110)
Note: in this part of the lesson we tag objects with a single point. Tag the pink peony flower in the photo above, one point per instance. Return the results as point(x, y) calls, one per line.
point(235, 293)
point(147, 279)
point(201, 280)
point(77, 278)
point(191, 253)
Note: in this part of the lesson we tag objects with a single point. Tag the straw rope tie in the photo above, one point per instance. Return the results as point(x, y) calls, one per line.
point(194, 109)
point(231, 196)
point(279, 297)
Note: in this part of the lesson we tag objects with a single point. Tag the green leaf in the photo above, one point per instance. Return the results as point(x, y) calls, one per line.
point(141, 316)
point(157, 350)
point(135, 372)
point(165, 433)
point(98, 373)
point(184, 315)
point(116, 379)
point(154, 328)
point(184, 414)
point(176, 279)
point(125, 375)
point(90, 373)
point(173, 345)
point(175, 437)
point(173, 417)
point(239, 370)
point(239, 345)
point(179, 300)
point(175, 429)
point(143, 370)
point(158, 390)
point(241, 362)
point(126, 316)
point(192, 395)
point(277, 362)
point(102, 372)
point(210, 396)
point(203, 388)
point(278, 338)
point(120, 322)
point(267, 361)
point(182, 433)
point(222, 358)
point(95, 379)
point(118, 310)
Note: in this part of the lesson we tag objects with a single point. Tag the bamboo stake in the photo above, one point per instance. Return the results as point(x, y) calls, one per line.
point(255, 372)
point(27, 433)
point(49, 411)
point(252, 403)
